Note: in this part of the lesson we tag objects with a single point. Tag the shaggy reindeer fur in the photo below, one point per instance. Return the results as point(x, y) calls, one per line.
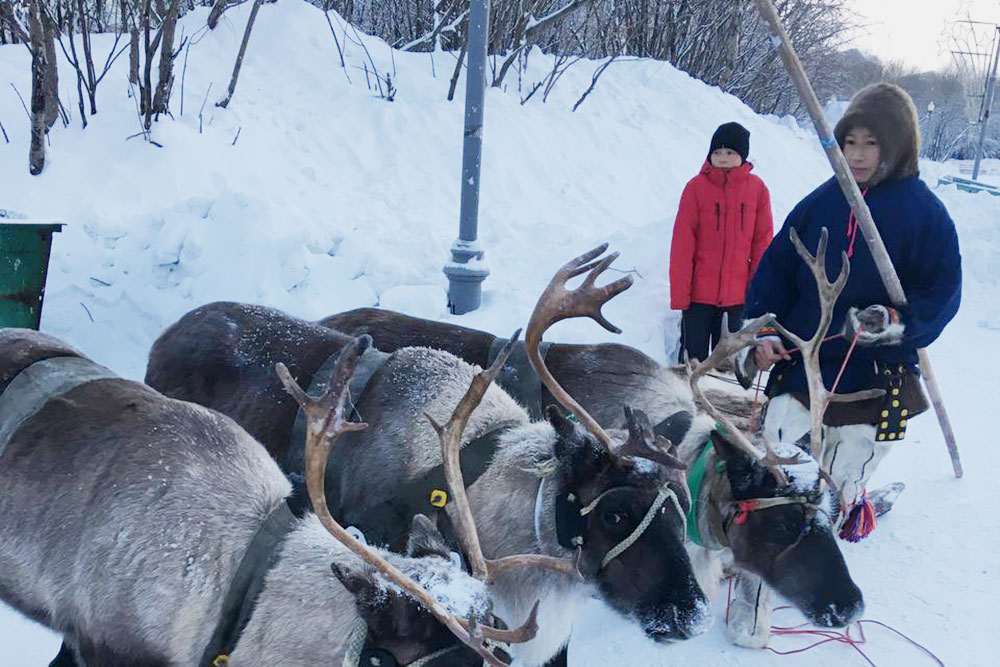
point(124, 515)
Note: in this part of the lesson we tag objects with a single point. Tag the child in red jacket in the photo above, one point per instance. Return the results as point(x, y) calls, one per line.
point(723, 227)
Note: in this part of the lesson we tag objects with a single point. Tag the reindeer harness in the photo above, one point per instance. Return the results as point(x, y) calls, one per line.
point(706, 523)
point(571, 516)
point(38, 384)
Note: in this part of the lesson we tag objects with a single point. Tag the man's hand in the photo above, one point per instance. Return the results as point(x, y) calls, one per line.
point(769, 350)
point(875, 325)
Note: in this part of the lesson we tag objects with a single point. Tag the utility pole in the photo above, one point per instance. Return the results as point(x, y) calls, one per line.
point(987, 103)
point(468, 269)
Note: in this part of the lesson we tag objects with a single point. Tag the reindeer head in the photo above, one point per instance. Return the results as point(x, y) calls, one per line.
point(781, 530)
point(399, 630)
point(627, 518)
point(621, 501)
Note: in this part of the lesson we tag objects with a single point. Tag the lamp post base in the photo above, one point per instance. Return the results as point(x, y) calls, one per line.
point(466, 272)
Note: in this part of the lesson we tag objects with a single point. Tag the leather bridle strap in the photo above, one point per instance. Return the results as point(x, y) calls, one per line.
point(740, 509)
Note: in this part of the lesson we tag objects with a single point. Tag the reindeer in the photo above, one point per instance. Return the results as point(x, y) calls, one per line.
point(551, 487)
point(161, 515)
point(775, 508)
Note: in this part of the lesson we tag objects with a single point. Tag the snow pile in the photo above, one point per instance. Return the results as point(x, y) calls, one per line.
point(331, 198)
point(312, 195)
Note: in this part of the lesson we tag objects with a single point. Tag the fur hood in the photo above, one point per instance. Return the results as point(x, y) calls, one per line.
point(888, 111)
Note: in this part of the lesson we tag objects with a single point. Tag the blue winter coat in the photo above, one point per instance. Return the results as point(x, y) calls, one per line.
point(923, 246)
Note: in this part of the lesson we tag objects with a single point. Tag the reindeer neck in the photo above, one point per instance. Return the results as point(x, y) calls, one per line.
point(301, 585)
point(710, 491)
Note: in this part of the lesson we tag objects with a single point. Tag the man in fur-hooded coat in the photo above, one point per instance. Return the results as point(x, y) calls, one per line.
point(917, 232)
point(923, 246)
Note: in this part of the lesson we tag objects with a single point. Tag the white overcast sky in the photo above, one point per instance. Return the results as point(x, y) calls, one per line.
point(913, 30)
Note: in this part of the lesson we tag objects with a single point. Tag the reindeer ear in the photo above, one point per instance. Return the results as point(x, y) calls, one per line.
point(566, 432)
point(725, 450)
point(560, 422)
point(356, 582)
point(425, 539)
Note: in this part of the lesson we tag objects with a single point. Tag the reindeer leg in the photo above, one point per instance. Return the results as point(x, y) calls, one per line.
point(750, 613)
point(66, 657)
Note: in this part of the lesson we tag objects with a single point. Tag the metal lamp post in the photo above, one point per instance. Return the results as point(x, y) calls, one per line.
point(467, 269)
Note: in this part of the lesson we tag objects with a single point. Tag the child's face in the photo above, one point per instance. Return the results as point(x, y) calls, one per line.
point(725, 158)
point(862, 152)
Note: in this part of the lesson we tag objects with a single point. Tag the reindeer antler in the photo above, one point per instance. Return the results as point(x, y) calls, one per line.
point(728, 345)
point(451, 444)
point(829, 292)
point(558, 303)
point(325, 421)
point(643, 444)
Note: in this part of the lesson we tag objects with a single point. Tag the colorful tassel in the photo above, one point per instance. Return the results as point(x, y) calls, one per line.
point(860, 522)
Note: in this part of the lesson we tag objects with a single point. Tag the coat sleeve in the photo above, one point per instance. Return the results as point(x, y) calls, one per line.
point(934, 284)
point(682, 249)
point(772, 287)
point(763, 232)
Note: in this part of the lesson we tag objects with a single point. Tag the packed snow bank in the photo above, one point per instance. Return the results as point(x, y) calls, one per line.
point(331, 198)
point(311, 194)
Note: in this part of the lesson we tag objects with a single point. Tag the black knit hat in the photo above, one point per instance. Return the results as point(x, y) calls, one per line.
point(733, 136)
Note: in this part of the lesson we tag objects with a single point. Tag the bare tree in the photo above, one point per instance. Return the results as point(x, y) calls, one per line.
point(40, 88)
point(11, 30)
point(76, 13)
point(168, 26)
point(239, 58)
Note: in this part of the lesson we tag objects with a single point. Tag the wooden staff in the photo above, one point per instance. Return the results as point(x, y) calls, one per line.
point(858, 206)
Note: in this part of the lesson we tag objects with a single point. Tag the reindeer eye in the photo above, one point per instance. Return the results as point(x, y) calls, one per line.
point(613, 518)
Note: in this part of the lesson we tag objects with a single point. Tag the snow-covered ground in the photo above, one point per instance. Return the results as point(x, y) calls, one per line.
point(311, 194)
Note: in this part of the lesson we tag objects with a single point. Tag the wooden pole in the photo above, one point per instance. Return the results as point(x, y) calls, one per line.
point(858, 206)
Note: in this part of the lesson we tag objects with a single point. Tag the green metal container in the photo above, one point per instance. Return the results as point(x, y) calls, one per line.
point(24, 262)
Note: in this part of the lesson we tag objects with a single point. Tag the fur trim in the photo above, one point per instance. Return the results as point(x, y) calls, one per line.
point(888, 111)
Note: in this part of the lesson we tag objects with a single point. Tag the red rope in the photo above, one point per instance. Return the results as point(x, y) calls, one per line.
point(831, 636)
point(845, 637)
point(825, 340)
point(847, 357)
point(852, 228)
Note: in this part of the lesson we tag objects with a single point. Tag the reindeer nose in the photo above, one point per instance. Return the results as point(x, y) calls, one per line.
point(837, 615)
point(850, 612)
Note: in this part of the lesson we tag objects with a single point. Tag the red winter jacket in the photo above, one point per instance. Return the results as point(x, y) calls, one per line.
point(722, 229)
